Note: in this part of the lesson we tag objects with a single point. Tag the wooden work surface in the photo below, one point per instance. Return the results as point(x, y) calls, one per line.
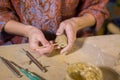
point(98, 50)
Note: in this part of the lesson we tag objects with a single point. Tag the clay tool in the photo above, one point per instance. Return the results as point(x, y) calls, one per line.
point(11, 67)
point(27, 73)
point(35, 61)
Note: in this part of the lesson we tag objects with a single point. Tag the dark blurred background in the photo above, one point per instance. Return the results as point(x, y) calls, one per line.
point(112, 24)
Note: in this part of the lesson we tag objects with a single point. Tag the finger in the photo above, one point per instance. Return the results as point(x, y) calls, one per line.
point(66, 49)
point(71, 34)
point(60, 29)
point(43, 41)
point(33, 44)
point(58, 47)
point(71, 38)
point(43, 50)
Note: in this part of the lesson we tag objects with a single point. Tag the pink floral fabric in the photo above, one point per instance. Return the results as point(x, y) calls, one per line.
point(47, 14)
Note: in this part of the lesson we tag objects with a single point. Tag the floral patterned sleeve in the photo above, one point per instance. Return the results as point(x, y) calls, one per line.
point(6, 14)
point(97, 8)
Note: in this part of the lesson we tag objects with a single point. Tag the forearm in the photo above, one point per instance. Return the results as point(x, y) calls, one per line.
point(16, 28)
point(85, 21)
point(98, 10)
point(89, 20)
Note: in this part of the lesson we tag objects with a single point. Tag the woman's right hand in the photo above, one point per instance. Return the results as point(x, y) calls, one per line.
point(36, 37)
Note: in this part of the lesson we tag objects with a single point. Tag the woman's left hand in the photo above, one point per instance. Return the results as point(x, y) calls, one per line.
point(69, 27)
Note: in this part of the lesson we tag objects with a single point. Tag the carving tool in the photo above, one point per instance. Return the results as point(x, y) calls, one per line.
point(40, 66)
point(11, 67)
point(27, 73)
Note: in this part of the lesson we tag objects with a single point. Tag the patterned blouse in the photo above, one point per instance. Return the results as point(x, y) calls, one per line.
point(47, 15)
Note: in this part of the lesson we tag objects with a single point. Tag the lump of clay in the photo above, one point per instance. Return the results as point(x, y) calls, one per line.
point(61, 41)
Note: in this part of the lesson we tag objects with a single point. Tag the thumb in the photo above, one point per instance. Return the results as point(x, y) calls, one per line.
point(60, 30)
point(44, 42)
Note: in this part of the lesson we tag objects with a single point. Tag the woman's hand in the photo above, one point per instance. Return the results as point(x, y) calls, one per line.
point(34, 35)
point(71, 26)
point(35, 38)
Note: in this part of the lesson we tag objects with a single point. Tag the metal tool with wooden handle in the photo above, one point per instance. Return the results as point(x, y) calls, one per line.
point(40, 66)
point(11, 67)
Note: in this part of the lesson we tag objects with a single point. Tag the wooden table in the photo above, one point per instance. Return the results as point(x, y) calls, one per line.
point(98, 50)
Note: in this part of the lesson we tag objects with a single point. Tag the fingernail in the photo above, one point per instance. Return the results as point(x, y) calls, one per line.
point(37, 49)
point(58, 33)
point(58, 47)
